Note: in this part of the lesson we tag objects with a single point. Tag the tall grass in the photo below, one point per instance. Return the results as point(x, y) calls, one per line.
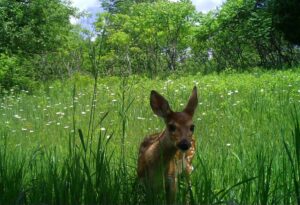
point(66, 145)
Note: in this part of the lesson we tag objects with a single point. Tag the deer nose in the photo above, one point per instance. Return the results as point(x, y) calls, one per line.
point(184, 145)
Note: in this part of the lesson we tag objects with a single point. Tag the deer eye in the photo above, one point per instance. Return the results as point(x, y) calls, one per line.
point(172, 127)
point(192, 128)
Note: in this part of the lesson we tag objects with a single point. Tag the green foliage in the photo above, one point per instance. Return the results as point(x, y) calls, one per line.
point(152, 37)
point(38, 42)
point(241, 36)
point(149, 36)
point(121, 6)
point(165, 36)
point(15, 73)
point(287, 19)
point(33, 27)
point(247, 133)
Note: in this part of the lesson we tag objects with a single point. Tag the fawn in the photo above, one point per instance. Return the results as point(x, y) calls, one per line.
point(162, 157)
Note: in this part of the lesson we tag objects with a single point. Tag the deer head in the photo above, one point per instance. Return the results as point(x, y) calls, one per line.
point(179, 125)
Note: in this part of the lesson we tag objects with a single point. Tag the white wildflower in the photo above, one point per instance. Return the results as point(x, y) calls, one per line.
point(17, 116)
point(60, 113)
point(230, 92)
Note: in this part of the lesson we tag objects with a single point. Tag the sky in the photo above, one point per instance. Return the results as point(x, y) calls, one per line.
point(93, 7)
point(201, 5)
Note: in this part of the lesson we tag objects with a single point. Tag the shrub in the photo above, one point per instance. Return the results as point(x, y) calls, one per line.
point(15, 72)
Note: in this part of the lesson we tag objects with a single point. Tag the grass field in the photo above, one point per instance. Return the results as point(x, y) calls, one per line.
point(69, 144)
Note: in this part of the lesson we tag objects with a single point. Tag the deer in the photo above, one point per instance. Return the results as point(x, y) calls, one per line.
point(166, 155)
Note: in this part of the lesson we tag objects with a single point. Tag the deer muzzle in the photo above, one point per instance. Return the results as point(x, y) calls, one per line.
point(184, 145)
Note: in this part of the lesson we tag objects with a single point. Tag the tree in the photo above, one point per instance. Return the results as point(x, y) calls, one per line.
point(287, 19)
point(36, 38)
point(239, 35)
point(121, 6)
point(33, 26)
point(149, 36)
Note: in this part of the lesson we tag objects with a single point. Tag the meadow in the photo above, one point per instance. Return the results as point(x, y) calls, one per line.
point(76, 142)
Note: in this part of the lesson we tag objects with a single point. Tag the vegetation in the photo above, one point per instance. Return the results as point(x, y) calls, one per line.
point(61, 145)
point(36, 38)
point(149, 36)
point(74, 104)
point(38, 42)
point(286, 19)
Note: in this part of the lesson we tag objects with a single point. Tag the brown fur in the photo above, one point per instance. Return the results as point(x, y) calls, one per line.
point(161, 158)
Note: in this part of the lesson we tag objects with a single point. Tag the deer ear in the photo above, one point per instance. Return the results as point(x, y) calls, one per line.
point(159, 104)
point(192, 104)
